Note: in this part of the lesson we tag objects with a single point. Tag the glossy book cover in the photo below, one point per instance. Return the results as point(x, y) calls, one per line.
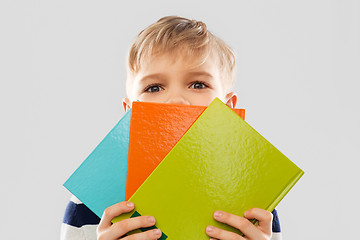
point(221, 163)
point(100, 180)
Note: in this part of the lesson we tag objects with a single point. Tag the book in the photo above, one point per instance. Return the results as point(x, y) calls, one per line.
point(100, 181)
point(220, 163)
point(155, 128)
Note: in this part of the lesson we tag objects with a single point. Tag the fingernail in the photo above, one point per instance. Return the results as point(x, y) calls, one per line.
point(130, 204)
point(217, 214)
point(209, 228)
point(157, 232)
point(151, 219)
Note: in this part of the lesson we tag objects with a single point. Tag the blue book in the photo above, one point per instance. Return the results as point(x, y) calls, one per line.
point(100, 181)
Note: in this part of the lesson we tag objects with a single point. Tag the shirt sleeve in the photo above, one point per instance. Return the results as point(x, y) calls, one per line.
point(79, 222)
point(276, 230)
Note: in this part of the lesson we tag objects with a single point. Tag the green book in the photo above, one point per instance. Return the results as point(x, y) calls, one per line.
point(221, 163)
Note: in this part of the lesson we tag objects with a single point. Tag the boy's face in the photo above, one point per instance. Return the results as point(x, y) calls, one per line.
point(165, 80)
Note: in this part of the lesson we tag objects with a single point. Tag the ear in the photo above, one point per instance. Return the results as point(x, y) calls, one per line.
point(231, 99)
point(126, 104)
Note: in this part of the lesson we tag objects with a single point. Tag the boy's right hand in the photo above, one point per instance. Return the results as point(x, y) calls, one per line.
point(110, 231)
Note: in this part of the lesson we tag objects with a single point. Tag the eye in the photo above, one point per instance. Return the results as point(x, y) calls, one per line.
point(198, 85)
point(154, 88)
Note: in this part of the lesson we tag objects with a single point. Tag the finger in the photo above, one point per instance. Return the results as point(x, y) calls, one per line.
point(264, 217)
point(243, 224)
point(114, 211)
point(218, 233)
point(150, 234)
point(122, 227)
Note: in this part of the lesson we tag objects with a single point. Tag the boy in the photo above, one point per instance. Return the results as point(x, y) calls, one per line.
point(175, 60)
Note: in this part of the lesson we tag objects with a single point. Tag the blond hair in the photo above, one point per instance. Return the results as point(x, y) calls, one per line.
point(173, 33)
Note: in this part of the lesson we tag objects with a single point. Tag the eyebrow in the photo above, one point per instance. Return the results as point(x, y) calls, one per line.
point(150, 76)
point(162, 77)
point(200, 73)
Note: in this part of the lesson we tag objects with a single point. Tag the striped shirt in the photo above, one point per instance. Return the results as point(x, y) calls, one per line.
point(80, 222)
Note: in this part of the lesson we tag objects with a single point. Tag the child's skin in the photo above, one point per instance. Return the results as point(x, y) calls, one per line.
point(178, 82)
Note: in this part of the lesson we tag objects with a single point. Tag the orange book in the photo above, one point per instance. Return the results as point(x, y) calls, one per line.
point(155, 128)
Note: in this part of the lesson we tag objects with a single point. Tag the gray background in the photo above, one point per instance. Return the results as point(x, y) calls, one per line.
point(62, 80)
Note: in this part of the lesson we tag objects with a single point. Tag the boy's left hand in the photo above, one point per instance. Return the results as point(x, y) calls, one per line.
point(261, 232)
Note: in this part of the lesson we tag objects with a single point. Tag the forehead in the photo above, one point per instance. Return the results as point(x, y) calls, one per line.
point(179, 59)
